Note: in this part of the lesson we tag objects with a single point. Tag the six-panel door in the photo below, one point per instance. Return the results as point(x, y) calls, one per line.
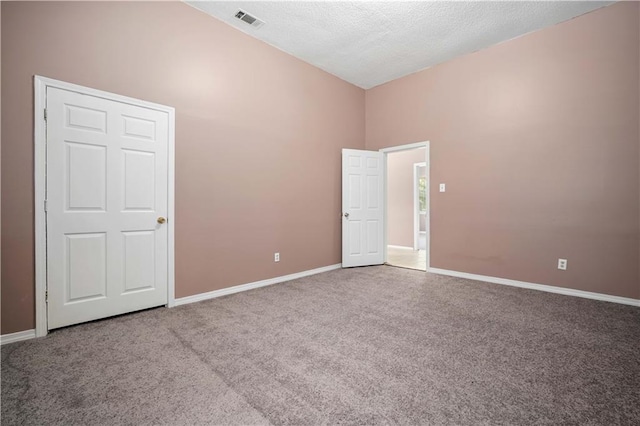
point(362, 208)
point(107, 185)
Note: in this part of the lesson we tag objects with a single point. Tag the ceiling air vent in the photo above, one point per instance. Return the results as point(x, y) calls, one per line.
point(249, 19)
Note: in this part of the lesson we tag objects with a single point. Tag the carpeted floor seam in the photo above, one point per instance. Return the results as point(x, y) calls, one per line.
point(203, 360)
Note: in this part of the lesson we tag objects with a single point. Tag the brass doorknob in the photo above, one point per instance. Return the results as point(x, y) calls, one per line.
point(161, 220)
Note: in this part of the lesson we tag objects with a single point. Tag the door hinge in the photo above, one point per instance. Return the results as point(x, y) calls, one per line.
point(46, 296)
point(45, 206)
point(45, 114)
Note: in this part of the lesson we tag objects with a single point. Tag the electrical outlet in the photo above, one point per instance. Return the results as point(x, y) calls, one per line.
point(276, 257)
point(442, 188)
point(562, 264)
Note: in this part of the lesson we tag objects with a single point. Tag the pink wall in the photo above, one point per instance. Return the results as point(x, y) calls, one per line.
point(537, 140)
point(258, 137)
point(0, 164)
point(400, 195)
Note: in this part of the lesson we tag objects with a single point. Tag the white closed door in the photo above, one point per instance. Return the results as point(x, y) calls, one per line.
point(362, 208)
point(107, 194)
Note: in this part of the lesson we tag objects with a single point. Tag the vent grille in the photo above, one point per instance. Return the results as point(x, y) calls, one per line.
point(249, 19)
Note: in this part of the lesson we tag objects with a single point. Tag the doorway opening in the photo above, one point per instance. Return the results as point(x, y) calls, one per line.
point(407, 206)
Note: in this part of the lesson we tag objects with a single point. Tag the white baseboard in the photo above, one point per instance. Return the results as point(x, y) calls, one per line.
point(400, 247)
point(30, 334)
point(251, 286)
point(5, 339)
point(540, 287)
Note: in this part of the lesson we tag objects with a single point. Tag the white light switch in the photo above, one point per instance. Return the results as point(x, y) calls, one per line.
point(442, 187)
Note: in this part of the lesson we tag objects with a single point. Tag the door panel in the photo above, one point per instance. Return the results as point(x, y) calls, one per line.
point(107, 183)
point(85, 177)
point(372, 236)
point(139, 128)
point(138, 170)
point(86, 265)
point(354, 237)
point(83, 118)
point(139, 260)
point(362, 219)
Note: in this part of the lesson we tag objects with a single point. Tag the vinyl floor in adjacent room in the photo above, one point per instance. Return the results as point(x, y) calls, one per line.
point(375, 345)
point(407, 258)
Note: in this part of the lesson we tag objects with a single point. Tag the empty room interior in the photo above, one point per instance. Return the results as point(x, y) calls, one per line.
point(340, 212)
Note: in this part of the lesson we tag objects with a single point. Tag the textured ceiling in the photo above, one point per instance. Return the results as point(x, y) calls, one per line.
point(368, 43)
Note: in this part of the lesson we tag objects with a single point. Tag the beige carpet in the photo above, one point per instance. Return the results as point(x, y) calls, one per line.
point(376, 345)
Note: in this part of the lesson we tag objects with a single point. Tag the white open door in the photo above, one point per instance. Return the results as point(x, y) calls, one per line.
point(362, 208)
point(107, 204)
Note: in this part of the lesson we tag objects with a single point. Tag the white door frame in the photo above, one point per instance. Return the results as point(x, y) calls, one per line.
point(416, 204)
point(40, 85)
point(407, 147)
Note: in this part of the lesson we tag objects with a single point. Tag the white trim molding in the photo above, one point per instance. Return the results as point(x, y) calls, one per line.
point(539, 287)
point(250, 286)
point(19, 336)
point(40, 184)
point(405, 147)
point(40, 85)
point(401, 247)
